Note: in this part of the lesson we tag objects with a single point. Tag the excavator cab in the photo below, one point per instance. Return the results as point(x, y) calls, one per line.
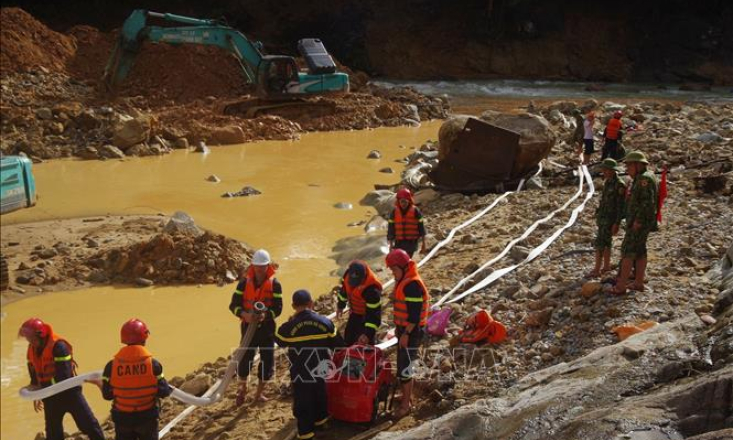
point(277, 75)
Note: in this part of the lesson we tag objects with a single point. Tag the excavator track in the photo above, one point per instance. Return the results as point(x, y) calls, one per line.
point(4, 274)
point(289, 109)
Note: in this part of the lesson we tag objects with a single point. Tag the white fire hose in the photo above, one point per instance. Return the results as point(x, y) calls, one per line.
point(213, 395)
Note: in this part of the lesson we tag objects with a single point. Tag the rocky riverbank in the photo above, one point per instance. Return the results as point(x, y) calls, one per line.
point(562, 368)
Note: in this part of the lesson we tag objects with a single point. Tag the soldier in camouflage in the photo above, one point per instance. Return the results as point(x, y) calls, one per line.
point(641, 219)
point(609, 214)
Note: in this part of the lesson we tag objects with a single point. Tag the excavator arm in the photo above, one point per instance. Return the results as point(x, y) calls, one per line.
point(135, 31)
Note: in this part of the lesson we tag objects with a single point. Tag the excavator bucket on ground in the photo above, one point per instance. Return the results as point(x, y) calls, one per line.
point(481, 159)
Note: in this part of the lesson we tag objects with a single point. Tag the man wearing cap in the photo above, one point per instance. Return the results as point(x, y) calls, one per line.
point(411, 305)
point(51, 360)
point(641, 219)
point(609, 214)
point(134, 381)
point(405, 226)
point(363, 292)
point(310, 337)
point(258, 285)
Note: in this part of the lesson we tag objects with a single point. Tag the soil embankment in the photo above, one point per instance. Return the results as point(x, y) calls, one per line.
point(142, 250)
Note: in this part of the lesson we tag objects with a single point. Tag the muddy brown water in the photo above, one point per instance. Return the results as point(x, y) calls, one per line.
point(294, 219)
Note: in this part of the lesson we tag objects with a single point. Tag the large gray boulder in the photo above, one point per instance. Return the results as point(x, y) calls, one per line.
point(182, 223)
point(382, 200)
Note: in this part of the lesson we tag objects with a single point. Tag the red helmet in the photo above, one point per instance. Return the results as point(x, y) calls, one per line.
point(33, 327)
point(134, 331)
point(617, 114)
point(404, 193)
point(397, 257)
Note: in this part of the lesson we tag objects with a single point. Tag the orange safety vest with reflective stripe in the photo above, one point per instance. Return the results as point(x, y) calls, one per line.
point(44, 364)
point(400, 300)
point(406, 225)
point(133, 382)
point(612, 129)
point(356, 299)
point(262, 294)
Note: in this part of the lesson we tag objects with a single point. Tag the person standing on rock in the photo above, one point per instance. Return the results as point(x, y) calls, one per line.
point(576, 139)
point(363, 292)
point(51, 360)
point(411, 303)
point(134, 381)
point(310, 338)
point(609, 215)
point(406, 227)
point(612, 135)
point(259, 285)
point(588, 148)
point(641, 219)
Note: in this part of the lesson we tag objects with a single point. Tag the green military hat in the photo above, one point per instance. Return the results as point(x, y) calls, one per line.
point(610, 164)
point(636, 156)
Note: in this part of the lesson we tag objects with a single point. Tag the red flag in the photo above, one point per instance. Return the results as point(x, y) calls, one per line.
point(662, 194)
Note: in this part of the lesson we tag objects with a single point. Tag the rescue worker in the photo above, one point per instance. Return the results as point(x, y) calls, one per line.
point(310, 337)
point(406, 227)
point(134, 381)
point(576, 139)
point(612, 135)
point(588, 147)
point(411, 303)
point(51, 360)
point(641, 219)
point(363, 292)
point(609, 215)
point(258, 285)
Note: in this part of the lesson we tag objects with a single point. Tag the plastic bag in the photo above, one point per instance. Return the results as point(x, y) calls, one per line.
point(438, 321)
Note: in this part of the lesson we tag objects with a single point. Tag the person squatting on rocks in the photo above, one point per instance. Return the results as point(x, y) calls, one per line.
point(641, 219)
point(405, 227)
point(411, 303)
point(609, 215)
point(258, 285)
point(51, 360)
point(363, 292)
point(310, 338)
point(588, 148)
point(134, 381)
point(612, 135)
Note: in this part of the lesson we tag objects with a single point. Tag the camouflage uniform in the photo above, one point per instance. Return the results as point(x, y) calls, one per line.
point(642, 207)
point(610, 211)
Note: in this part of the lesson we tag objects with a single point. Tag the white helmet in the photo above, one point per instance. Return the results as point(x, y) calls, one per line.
point(261, 258)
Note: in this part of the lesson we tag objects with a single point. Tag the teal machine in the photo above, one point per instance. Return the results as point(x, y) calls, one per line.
point(17, 185)
point(276, 77)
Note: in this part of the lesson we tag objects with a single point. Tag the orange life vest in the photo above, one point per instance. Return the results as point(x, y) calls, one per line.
point(133, 382)
point(406, 225)
point(44, 364)
point(262, 294)
point(483, 329)
point(613, 128)
point(355, 294)
point(400, 300)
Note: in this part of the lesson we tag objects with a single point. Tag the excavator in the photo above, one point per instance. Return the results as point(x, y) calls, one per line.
point(278, 81)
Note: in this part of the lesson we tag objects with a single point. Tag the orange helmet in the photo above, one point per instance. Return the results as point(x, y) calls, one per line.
point(134, 331)
point(397, 257)
point(33, 327)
